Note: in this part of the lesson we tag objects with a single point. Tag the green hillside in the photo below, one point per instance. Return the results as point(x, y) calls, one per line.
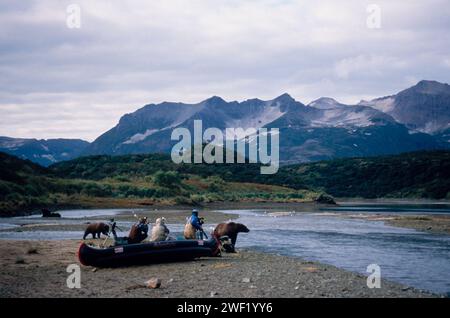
point(127, 181)
point(423, 174)
point(140, 180)
point(409, 175)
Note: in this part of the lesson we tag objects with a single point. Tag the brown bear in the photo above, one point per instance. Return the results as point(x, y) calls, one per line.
point(231, 230)
point(46, 213)
point(96, 229)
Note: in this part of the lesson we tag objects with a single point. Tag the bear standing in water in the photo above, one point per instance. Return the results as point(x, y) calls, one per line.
point(231, 230)
point(96, 229)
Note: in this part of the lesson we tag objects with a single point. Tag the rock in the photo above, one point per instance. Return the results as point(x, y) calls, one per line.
point(213, 293)
point(170, 280)
point(246, 280)
point(133, 287)
point(153, 283)
point(20, 260)
point(311, 269)
point(406, 288)
point(46, 213)
point(32, 250)
point(94, 269)
point(325, 199)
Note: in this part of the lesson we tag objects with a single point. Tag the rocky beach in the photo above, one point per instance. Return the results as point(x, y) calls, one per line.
point(38, 269)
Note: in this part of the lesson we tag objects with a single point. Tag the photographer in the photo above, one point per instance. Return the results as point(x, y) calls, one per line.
point(196, 223)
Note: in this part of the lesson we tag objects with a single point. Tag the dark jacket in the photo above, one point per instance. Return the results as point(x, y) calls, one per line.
point(195, 222)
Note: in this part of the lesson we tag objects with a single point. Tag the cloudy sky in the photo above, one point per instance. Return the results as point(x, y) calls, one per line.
point(57, 81)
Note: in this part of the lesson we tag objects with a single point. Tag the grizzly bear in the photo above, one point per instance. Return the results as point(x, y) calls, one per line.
point(46, 213)
point(231, 230)
point(96, 229)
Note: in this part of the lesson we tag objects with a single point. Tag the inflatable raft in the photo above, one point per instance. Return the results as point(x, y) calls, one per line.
point(147, 253)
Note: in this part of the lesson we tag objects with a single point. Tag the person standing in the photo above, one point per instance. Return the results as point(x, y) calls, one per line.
point(113, 226)
point(193, 228)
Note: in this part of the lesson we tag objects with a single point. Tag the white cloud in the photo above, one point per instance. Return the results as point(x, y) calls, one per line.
point(447, 62)
point(373, 65)
point(60, 82)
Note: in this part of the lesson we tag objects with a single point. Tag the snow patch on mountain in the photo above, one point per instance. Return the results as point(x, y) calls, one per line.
point(269, 113)
point(254, 137)
point(342, 118)
point(12, 143)
point(140, 137)
point(49, 157)
point(432, 127)
point(325, 103)
point(386, 104)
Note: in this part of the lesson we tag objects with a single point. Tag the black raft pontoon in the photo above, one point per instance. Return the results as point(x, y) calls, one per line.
point(146, 253)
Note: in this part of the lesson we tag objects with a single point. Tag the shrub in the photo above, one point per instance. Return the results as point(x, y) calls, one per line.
point(167, 179)
point(197, 198)
point(96, 190)
point(216, 184)
point(182, 200)
point(122, 178)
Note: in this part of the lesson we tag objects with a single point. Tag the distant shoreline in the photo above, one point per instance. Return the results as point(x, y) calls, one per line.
point(391, 201)
point(107, 203)
point(431, 223)
point(141, 204)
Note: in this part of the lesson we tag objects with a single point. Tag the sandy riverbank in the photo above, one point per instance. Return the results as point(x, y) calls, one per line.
point(439, 224)
point(432, 223)
point(38, 269)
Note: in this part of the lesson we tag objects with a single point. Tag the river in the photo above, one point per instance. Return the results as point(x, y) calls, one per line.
point(407, 256)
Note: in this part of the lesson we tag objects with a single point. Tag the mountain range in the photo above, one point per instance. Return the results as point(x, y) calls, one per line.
point(417, 118)
point(43, 152)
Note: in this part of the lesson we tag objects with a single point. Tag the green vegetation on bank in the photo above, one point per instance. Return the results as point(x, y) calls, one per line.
point(135, 180)
point(410, 175)
point(424, 174)
point(155, 179)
